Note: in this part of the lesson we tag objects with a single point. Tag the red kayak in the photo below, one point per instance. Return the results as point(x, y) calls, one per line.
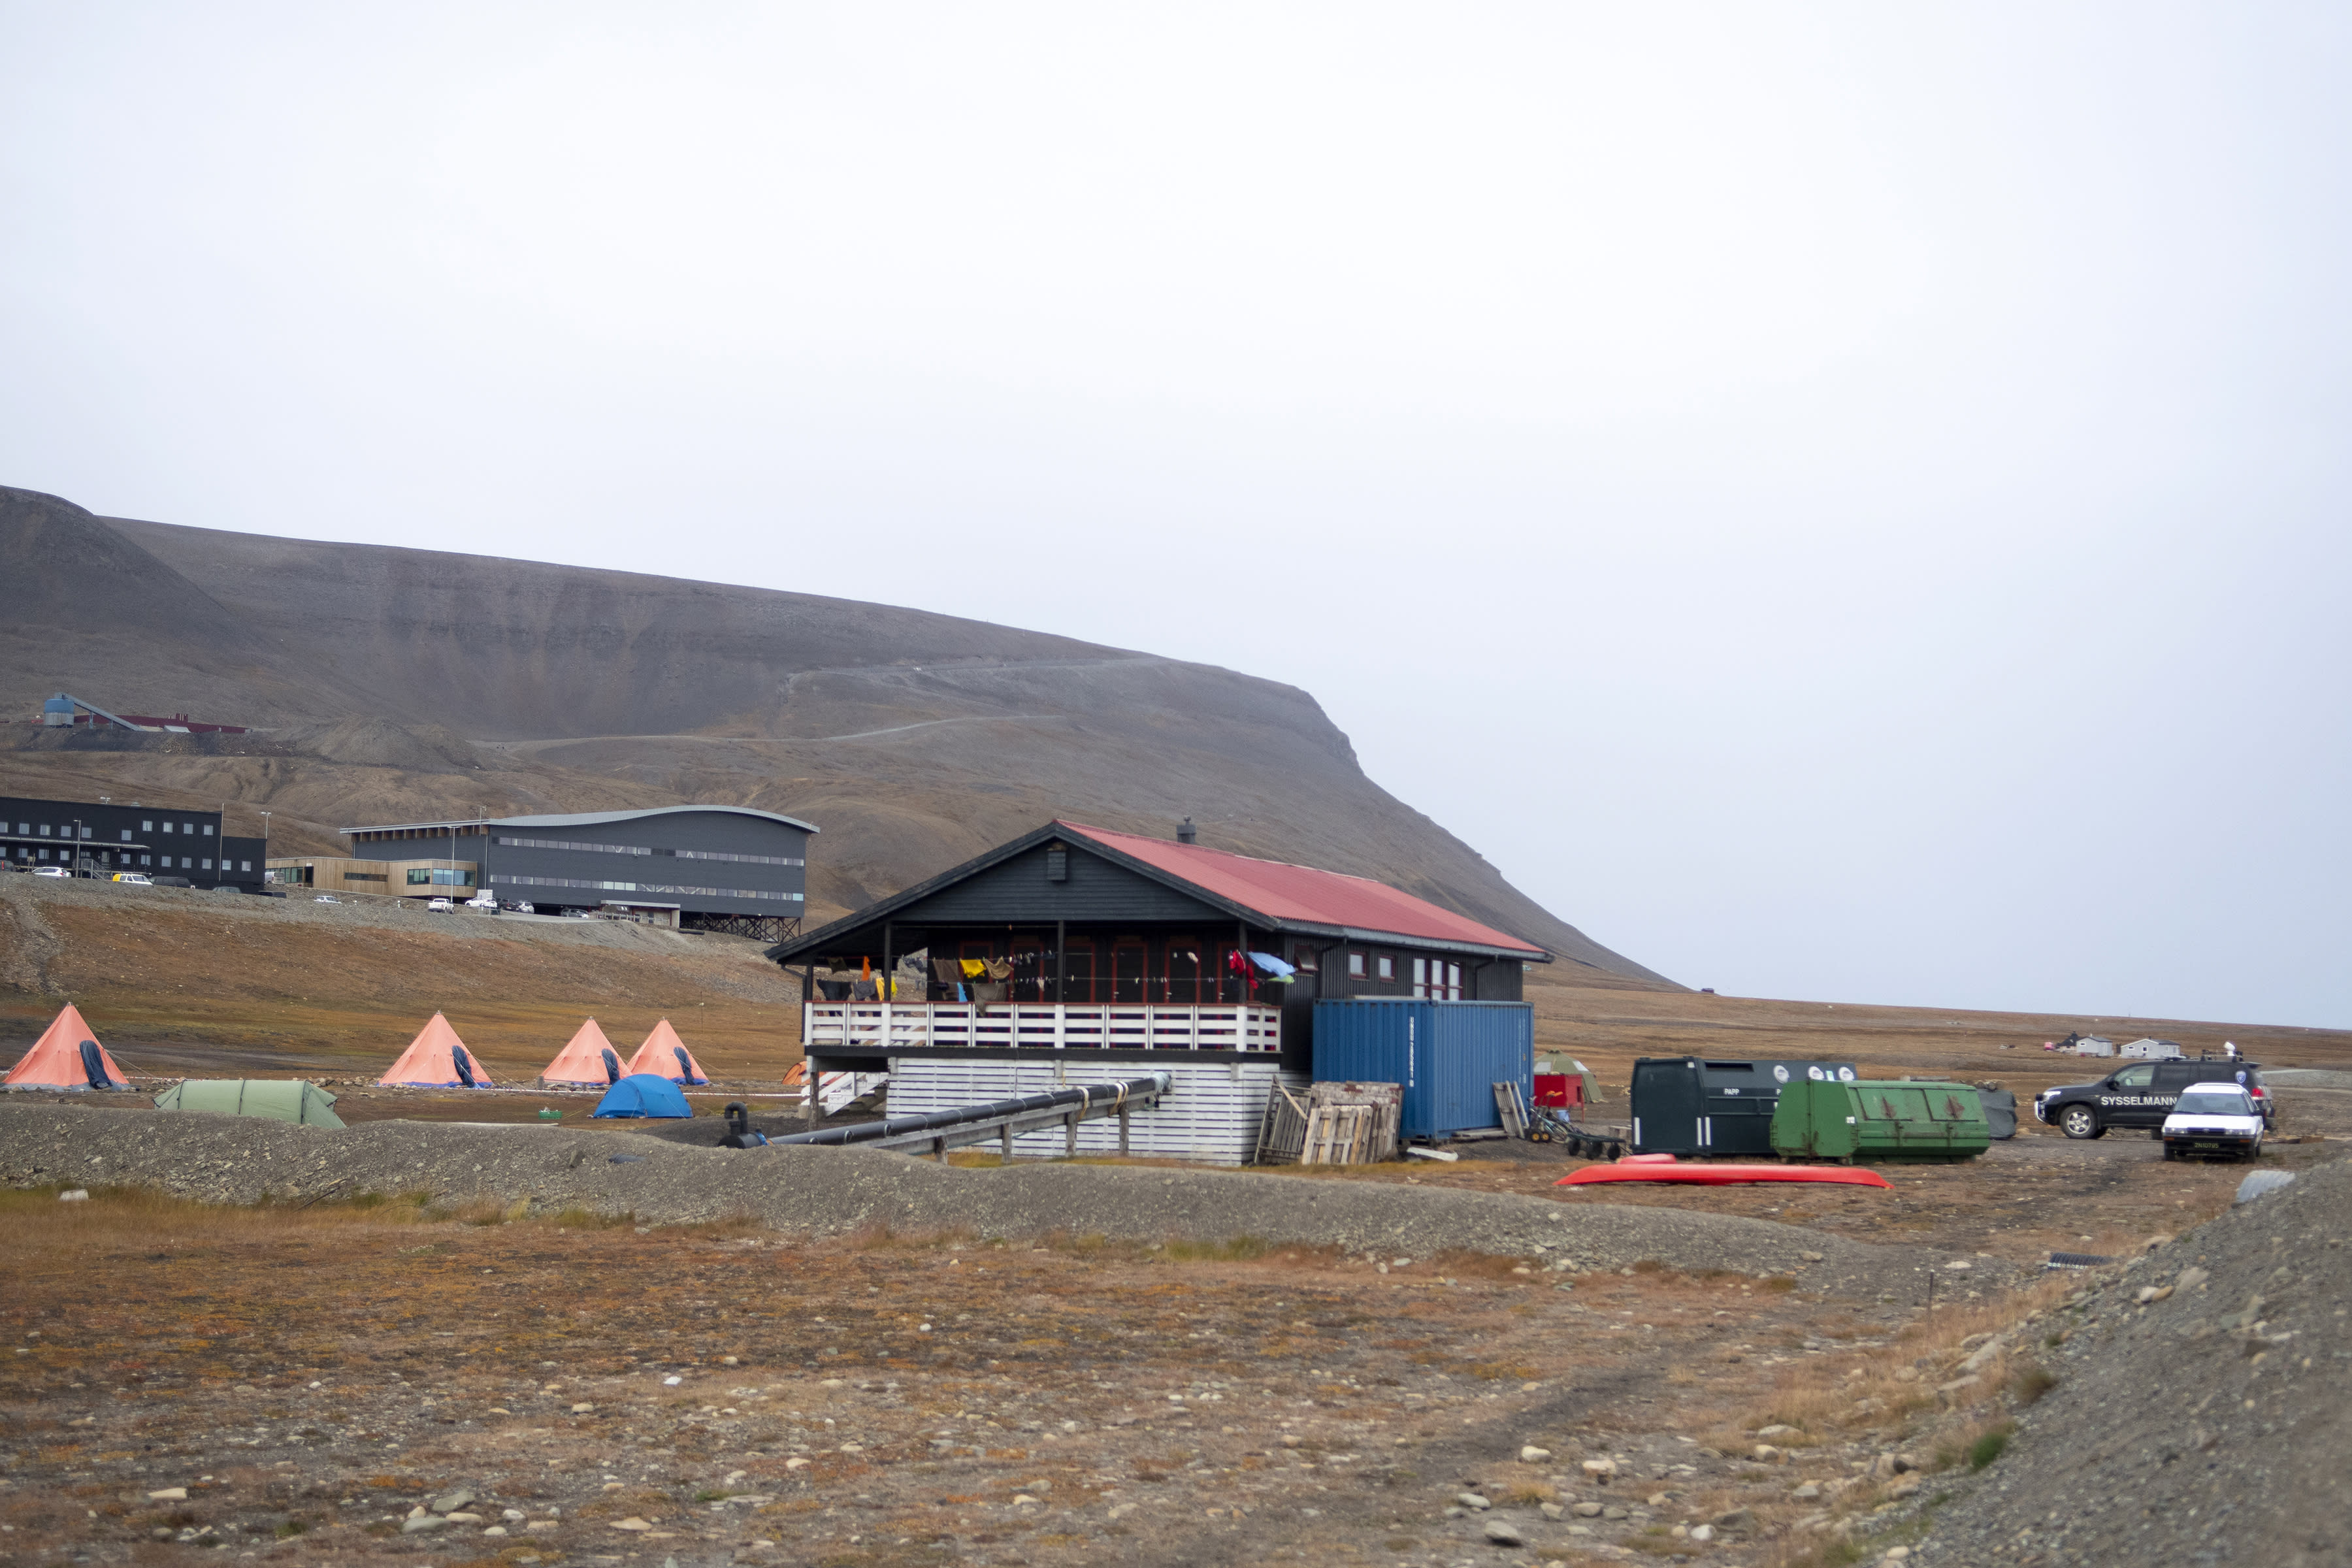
point(1666, 1168)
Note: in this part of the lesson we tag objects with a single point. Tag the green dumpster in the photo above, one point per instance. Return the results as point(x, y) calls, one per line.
point(280, 1099)
point(1879, 1119)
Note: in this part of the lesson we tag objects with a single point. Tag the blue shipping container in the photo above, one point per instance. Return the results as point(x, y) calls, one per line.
point(1448, 1055)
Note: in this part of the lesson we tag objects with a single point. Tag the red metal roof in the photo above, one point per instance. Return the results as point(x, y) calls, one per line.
point(1301, 893)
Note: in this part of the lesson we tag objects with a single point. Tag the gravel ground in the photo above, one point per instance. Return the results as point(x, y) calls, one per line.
point(238, 1160)
point(2209, 1426)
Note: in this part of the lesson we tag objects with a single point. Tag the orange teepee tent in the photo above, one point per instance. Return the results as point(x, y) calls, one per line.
point(438, 1058)
point(589, 1060)
point(67, 1056)
point(664, 1055)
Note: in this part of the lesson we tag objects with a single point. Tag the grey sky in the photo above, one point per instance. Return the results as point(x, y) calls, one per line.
point(1840, 502)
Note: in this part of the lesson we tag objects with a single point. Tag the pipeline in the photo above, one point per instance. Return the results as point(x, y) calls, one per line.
point(1080, 1099)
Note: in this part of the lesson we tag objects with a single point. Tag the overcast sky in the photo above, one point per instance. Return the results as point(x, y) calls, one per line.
point(1840, 502)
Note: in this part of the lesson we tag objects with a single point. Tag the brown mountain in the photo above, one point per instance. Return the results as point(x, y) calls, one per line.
point(391, 685)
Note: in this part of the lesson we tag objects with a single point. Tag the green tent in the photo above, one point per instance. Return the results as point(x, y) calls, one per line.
point(282, 1100)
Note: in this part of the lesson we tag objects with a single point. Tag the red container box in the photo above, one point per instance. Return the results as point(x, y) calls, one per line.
point(1560, 1091)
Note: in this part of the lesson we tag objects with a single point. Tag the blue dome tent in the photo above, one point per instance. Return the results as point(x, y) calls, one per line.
point(643, 1094)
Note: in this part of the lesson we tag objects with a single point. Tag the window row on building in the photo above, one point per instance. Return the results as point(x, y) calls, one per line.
point(647, 849)
point(502, 878)
point(66, 830)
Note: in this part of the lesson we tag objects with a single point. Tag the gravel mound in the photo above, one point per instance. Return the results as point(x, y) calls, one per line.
point(2210, 1426)
point(241, 1160)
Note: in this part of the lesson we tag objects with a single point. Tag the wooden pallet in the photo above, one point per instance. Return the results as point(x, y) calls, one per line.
point(1513, 1109)
point(1333, 1125)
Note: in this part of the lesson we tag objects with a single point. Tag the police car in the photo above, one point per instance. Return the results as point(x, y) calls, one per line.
point(2213, 1119)
point(2140, 1095)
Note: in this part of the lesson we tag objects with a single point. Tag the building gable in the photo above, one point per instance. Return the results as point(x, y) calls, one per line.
point(1019, 888)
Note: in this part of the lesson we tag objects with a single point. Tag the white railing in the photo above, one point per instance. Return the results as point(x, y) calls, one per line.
point(1046, 1025)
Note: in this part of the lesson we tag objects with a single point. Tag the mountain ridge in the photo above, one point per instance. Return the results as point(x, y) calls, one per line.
point(401, 684)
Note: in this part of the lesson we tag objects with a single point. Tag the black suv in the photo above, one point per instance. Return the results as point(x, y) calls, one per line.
point(2140, 1094)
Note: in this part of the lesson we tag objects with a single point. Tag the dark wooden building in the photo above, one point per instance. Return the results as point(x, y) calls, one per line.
point(1080, 946)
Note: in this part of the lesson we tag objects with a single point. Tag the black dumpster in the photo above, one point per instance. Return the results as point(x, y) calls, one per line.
point(1690, 1105)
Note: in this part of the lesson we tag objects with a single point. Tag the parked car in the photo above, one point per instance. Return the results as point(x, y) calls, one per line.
point(326, 898)
point(51, 871)
point(2213, 1119)
point(173, 882)
point(482, 903)
point(2141, 1095)
point(521, 907)
point(438, 907)
point(134, 878)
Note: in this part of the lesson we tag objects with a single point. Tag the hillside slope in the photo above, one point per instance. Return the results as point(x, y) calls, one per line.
point(399, 684)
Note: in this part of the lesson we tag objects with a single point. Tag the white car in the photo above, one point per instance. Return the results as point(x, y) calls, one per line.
point(326, 898)
point(51, 871)
point(482, 903)
point(438, 907)
point(2213, 1119)
point(134, 878)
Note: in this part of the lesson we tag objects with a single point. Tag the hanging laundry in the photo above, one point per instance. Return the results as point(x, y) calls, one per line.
point(1272, 965)
point(1000, 969)
point(974, 968)
point(948, 970)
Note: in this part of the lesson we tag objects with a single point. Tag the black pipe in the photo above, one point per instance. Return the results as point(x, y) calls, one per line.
point(956, 1116)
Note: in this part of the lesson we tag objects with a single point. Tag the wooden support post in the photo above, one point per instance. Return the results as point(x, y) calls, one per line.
point(1122, 1131)
point(815, 1107)
point(939, 1147)
point(1070, 1136)
point(1004, 1144)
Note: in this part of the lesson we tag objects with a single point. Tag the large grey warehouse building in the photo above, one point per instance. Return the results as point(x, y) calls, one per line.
point(710, 868)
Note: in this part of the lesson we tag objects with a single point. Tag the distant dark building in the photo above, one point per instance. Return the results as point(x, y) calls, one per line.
point(103, 839)
point(713, 868)
point(1076, 948)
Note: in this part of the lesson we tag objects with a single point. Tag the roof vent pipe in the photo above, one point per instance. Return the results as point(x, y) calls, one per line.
point(1185, 832)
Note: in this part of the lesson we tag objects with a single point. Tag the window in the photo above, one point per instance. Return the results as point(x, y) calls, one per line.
point(146, 825)
point(245, 864)
point(187, 828)
point(438, 877)
point(1080, 970)
point(1185, 973)
point(126, 836)
point(85, 833)
point(2136, 1078)
point(45, 851)
point(1355, 966)
point(185, 863)
point(146, 859)
point(167, 827)
point(45, 830)
point(1388, 967)
point(208, 863)
point(208, 830)
point(1302, 958)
